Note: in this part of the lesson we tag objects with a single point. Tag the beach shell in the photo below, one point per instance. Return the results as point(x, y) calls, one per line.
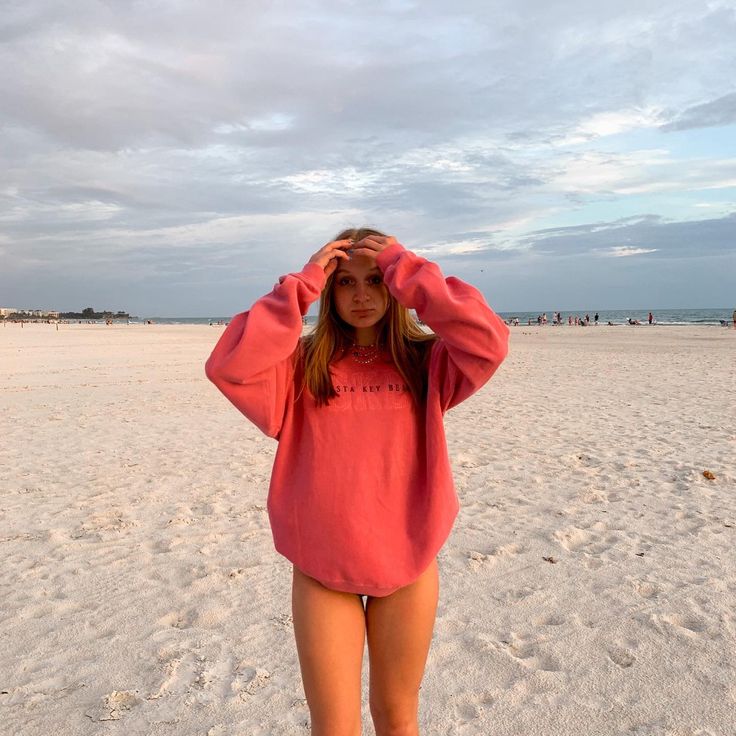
point(709, 475)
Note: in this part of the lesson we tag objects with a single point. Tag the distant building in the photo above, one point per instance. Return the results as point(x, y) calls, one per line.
point(29, 313)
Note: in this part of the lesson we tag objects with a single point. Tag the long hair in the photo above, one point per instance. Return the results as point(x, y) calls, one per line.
point(408, 344)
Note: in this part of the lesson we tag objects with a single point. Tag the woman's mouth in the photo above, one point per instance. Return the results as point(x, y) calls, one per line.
point(363, 312)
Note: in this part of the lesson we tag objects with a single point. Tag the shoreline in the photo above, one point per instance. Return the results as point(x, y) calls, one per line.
point(66, 325)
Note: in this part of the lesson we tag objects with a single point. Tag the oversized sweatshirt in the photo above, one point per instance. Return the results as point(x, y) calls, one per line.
point(361, 495)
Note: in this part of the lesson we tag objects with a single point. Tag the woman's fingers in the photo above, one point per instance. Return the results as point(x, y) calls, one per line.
point(334, 245)
point(329, 251)
point(376, 243)
point(338, 253)
point(328, 255)
point(335, 256)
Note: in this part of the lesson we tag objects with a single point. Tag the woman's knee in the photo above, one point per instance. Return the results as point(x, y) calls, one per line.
point(334, 726)
point(395, 717)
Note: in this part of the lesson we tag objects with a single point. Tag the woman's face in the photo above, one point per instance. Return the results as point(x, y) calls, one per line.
point(360, 297)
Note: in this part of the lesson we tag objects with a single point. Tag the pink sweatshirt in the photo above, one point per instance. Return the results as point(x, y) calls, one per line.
point(361, 495)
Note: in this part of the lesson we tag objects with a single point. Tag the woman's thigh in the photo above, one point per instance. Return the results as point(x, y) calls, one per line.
point(329, 627)
point(399, 628)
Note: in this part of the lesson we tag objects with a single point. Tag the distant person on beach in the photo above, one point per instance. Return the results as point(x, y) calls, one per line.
point(361, 498)
point(651, 318)
point(595, 319)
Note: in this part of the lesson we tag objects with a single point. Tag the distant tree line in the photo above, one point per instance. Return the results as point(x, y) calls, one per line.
point(89, 313)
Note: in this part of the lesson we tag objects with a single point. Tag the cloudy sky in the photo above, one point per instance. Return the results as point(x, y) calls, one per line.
point(174, 157)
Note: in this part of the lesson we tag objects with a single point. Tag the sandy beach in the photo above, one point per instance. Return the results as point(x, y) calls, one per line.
point(588, 588)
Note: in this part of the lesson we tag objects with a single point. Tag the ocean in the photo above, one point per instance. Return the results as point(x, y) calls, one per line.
point(621, 316)
point(665, 317)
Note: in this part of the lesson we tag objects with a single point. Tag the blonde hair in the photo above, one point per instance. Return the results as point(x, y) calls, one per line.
point(408, 344)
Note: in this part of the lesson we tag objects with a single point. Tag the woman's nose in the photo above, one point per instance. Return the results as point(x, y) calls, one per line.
point(361, 292)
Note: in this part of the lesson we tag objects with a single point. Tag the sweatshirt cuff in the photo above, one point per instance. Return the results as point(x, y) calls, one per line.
point(314, 275)
point(387, 256)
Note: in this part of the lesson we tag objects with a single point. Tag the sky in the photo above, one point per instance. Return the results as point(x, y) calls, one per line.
point(175, 158)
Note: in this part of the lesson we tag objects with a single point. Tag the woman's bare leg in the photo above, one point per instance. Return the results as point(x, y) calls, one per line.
point(399, 628)
point(329, 628)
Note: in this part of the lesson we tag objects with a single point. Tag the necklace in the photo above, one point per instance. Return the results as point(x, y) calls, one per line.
point(365, 354)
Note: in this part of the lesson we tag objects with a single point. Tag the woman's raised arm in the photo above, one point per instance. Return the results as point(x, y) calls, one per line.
point(251, 363)
point(473, 339)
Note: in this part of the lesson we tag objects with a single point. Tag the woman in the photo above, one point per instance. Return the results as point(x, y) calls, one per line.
point(361, 497)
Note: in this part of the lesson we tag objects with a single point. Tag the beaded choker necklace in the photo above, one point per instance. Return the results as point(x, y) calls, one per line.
point(365, 354)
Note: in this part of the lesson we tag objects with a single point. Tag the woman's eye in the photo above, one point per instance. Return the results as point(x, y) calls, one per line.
point(376, 280)
point(344, 281)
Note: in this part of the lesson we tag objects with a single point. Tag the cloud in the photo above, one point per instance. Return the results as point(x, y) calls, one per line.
point(721, 111)
point(622, 251)
point(650, 234)
point(151, 143)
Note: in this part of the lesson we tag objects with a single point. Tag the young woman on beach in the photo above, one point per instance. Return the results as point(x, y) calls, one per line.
point(361, 497)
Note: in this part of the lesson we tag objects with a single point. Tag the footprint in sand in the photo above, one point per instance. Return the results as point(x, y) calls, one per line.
point(208, 618)
point(688, 625)
point(519, 594)
point(478, 559)
point(177, 619)
point(583, 460)
point(114, 520)
point(646, 589)
point(596, 539)
point(463, 460)
point(249, 679)
point(114, 706)
point(183, 669)
point(469, 709)
point(182, 520)
point(572, 538)
point(594, 496)
point(528, 653)
point(551, 619)
point(508, 550)
point(621, 656)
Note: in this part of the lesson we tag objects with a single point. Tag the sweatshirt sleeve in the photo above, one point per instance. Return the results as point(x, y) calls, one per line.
point(473, 340)
point(251, 363)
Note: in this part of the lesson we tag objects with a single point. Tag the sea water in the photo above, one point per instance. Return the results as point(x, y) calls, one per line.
point(617, 316)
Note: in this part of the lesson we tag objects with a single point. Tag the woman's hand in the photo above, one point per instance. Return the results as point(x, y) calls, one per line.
point(372, 245)
point(328, 256)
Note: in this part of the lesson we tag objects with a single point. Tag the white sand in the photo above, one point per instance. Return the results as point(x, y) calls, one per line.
point(141, 593)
